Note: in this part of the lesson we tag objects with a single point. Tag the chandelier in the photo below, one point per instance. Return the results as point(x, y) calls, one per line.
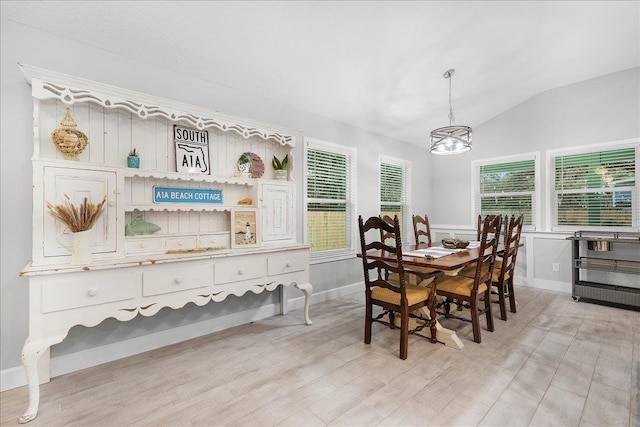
point(451, 139)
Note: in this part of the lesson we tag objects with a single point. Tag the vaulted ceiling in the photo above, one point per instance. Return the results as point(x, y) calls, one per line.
point(376, 65)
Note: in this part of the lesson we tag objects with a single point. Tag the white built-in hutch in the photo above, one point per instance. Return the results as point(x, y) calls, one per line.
point(192, 258)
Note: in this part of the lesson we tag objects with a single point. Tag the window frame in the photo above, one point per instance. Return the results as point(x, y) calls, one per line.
point(535, 194)
point(551, 211)
point(406, 203)
point(351, 224)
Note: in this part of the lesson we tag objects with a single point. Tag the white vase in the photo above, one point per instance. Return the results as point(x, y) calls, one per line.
point(280, 174)
point(81, 250)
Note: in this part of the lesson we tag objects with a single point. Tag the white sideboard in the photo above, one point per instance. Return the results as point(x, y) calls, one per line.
point(192, 258)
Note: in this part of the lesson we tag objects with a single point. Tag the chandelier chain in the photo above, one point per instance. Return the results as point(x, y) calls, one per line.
point(452, 118)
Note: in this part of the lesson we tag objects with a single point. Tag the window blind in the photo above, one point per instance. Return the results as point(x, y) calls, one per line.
point(508, 188)
point(329, 204)
point(395, 190)
point(596, 188)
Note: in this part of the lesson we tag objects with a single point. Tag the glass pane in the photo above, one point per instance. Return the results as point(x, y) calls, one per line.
point(614, 168)
point(508, 177)
point(326, 175)
point(507, 205)
point(390, 183)
point(595, 209)
point(327, 226)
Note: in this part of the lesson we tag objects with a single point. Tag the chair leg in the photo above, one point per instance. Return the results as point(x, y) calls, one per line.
point(392, 320)
point(512, 295)
point(487, 309)
point(501, 301)
point(368, 320)
point(475, 324)
point(404, 332)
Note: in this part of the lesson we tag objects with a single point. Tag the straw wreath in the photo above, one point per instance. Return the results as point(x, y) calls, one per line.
point(79, 218)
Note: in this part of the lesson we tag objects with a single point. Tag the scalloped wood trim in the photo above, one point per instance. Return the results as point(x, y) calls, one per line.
point(69, 90)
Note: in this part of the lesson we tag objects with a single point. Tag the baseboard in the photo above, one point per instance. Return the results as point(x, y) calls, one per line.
point(14, 377)
point(549, 285)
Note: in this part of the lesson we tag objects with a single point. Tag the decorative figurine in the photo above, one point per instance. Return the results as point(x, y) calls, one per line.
point(69, 140)
point(139, 226)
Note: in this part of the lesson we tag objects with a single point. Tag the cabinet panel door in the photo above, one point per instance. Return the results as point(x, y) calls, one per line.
point(78, 184)
point(277, 212)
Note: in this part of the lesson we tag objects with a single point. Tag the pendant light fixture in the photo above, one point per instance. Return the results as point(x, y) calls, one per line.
point(451, 139)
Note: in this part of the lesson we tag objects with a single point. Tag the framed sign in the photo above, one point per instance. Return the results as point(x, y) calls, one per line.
point(192, 150)
point(244, 227)
point(186, 195)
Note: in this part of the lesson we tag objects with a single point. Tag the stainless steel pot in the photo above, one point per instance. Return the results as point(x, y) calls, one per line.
point(599, 245)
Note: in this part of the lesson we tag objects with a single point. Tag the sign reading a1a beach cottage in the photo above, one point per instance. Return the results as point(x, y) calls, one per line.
point(192, 150)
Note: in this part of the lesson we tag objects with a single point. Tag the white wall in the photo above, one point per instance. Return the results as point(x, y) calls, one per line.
point(86, 346)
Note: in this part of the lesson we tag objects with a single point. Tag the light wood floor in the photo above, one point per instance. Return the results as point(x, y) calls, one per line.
point(555, 363)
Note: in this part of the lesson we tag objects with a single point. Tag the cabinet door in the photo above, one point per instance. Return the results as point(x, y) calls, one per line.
point(78, 184)
point(278, 212)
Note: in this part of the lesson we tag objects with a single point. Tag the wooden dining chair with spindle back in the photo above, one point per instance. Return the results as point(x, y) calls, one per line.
point(503, 270)
point(467, 291)
point(394, 297)
point(415, 275)
point(421, 229)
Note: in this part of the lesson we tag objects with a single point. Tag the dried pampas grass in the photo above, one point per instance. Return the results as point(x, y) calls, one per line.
point(79, 218)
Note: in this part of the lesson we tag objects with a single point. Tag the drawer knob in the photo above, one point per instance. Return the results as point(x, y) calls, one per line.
point(92, 292)
point(111, 204)
point(142, 245)
point(180, 243)
point(178, 280)
point(241, 272)
point(288, 264)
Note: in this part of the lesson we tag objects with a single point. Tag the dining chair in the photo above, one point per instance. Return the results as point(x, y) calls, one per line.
point(421, 228)
point(417, 275)
point(481, 222)
point(503, 269)
point(466, 291)
point(393, 297)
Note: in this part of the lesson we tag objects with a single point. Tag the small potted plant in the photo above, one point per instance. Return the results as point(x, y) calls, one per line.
point(280, 167)
point(133, 161)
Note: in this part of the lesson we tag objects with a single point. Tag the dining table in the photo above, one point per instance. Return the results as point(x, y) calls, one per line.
point(450, 262)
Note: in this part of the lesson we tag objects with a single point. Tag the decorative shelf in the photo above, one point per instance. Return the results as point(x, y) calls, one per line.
point(131, 173)
point(170, 207)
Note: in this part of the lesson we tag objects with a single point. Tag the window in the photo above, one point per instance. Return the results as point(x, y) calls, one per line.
point(595, 187)
point(329, 200)
point(507, 186)
point(395, 191)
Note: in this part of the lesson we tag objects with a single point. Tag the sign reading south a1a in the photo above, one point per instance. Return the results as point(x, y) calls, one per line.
point(192, 150)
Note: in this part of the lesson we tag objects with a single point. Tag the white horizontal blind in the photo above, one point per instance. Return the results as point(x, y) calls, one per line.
point(508, 188)
point(329, 199)
point(395, 195)
point(596, 189)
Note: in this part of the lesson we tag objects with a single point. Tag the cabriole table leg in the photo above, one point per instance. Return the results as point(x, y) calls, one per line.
point(306, 289)
point(31, 354)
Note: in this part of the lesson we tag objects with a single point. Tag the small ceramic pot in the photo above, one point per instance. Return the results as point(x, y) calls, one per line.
point(133, 161)
point(280, 174)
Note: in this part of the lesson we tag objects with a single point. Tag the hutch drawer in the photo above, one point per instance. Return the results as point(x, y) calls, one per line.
point(175, 279)
point(65, 293)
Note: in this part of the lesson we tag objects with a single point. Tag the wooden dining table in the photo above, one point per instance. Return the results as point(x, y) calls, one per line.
point(449, 264)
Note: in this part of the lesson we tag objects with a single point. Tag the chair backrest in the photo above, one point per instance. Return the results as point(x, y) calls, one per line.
point(481, 222)
point(373, 245)
point(488, 249)
point(512, 232)
point(421, 228)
